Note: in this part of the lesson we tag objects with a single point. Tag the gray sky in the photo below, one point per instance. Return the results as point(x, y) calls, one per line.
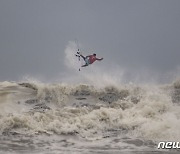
point(134, 35)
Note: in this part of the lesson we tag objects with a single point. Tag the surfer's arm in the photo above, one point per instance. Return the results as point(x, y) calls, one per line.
point(99, 58)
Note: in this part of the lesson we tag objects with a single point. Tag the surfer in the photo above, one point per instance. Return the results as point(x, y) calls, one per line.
point(89, 59)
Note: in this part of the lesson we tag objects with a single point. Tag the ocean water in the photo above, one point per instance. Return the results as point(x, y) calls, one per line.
point(80, 118)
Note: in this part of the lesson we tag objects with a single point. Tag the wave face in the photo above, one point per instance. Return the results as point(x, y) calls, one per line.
point(148, 112)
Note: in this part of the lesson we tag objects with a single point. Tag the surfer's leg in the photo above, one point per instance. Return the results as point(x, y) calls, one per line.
point(83, 57)
point(86, 62)
point(84, 65)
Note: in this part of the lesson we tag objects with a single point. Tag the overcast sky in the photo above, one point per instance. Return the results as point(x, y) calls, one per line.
point(133, 35)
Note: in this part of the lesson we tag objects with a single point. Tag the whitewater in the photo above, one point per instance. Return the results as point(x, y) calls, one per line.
point(38, 117)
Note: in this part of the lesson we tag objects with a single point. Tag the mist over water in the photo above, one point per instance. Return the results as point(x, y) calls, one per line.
point(93, 74)
point(106, 72)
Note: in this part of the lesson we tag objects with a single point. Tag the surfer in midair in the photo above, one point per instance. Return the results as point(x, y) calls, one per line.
point(89, 59)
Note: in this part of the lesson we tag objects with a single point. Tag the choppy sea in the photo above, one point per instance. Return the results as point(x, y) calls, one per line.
point(80, 118)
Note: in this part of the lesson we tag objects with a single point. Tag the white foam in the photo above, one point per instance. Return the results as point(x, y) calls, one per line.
point(154, 117)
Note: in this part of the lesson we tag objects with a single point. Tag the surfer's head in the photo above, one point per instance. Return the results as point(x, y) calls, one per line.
point(94, 54)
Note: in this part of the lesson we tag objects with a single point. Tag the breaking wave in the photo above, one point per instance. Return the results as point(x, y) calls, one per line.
point(150, 112)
